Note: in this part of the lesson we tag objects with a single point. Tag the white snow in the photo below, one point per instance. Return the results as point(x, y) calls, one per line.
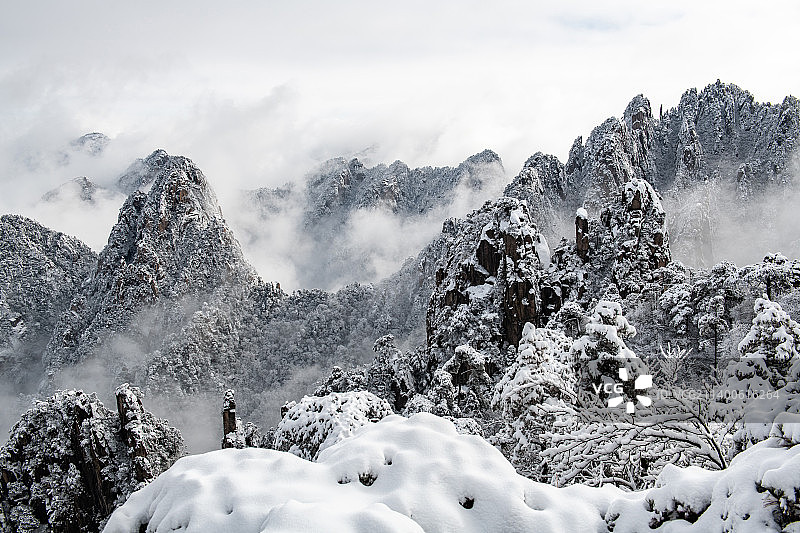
point(476, 292)
point(419, 474)
point(410, 475)
point(542, 251)
point(316, 423)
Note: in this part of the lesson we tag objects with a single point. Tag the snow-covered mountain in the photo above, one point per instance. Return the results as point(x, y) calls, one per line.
point(348, 222)
point(717, 160)
point(514, 322)
point(40, 272)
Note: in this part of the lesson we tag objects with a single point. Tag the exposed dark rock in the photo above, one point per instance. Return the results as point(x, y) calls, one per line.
point(70, 461)
point(487, 280)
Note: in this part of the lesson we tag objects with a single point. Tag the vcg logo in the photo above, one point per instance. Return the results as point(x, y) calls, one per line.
point(615, 391)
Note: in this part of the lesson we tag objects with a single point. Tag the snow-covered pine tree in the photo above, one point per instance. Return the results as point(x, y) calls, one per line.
point(535, 395)
point(768, 350)
point(601, 352)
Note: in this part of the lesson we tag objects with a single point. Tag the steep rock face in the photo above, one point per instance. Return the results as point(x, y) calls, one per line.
point(487, 280)
point(40, 270)
point(725, 158)
point(340, 186)
point(723, 127)
point(713, 132)
point(70, 461)
point(641, 137)
point(617, 253)
point(168, 245)
point(614, 153)
point(543, 184)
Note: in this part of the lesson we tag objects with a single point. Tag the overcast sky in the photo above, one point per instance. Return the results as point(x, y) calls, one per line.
point(257, 92)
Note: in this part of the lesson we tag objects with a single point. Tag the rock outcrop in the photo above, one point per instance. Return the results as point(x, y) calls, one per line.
point(487, 280)
point(70, 461)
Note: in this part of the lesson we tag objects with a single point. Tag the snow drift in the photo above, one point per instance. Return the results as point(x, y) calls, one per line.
point(415, 474)
point(418, 474)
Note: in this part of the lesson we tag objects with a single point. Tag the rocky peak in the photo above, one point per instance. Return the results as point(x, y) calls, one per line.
point(638, 114)
point(542, 184)
point(487, 280)
point(142, 172)
point(168, 243)
point(722, 127)
point(640, 130)
point(486, 157)
point(718, 141)
point(176, 232)
point(607, 164)
point(339, 186)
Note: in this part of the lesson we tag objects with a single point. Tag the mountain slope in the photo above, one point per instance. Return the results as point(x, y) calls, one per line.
point(169, 244)
point(719, 159)
point(40, 271)
point(348, 222)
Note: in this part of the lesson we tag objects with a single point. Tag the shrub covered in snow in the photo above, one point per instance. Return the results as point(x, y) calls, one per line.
point(316, 423)
point(757, 493)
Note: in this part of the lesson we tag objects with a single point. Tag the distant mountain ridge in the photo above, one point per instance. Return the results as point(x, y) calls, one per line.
point(326, 209)
point(719, 138)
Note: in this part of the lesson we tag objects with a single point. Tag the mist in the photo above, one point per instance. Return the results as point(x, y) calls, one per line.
point(258, 94)
point(370, 245)
point(719, 220)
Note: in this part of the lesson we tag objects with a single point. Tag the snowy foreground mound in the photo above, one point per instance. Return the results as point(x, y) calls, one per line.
point(419, 474)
